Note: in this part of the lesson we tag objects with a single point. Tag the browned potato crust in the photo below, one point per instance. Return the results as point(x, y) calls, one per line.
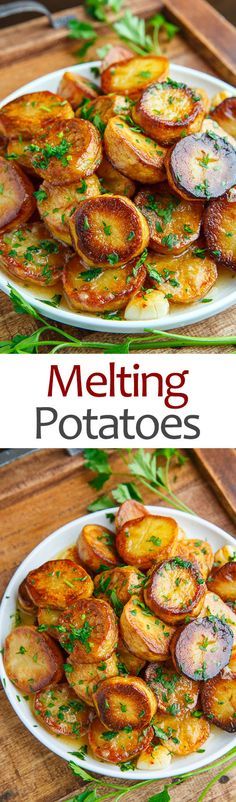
point(128, 663)
point(66, 151)
point(124, 701)
point(113, 181)
point(88, 631)
point(168, 110)
point(117, 747)
point(29, 113)
point(108, 230)
point(17, 201)
point(128, 511)
point(96, 547)
point(60, 710)
point(75, 88)
point(132, 76)
point(185, 735)
point(173, 223)
point(84, 678)
point(32, 660)
point(175, 589)
point(102, 109)
point(197, 551)
point(18, 151)
point(220, 229)
point(218, 700)
point(133, 153)
point(31, 254)
point(185, 278)
point(225, 115)
point(118, 585)
point(24, 600)
point(58, 584)
point(143, 633)
point(223, 582)
point(56, 204)
point(202, 648)
point(201, 166)
point(98, 290)
point(175, 693)
point(147, 540)
point(48, 618)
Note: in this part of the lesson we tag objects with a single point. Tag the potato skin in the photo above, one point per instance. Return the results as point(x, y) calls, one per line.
point(131, 76)
point(184, 278)
point(24, 600)
point(30, 112)
point(187, 735)
point(168, 110)
point(108, 230)
point(60, 710)
point(178, 224)
point(218, 700)
point(96, 547)
point(220, 230)
point(103, 108)
point(119, 748)
point(107, 290)
point(197, 551)
point(31, 254)
point(115, 54)
point(58, 584)
point(88, 631)
point(122, 701)
point(223, 582)
point(173, 691)
point(17, 201)
point(113, 181)
point(56, 204)
point(75, 88)
point(202, 648)
point(28, 674)
point(128, 511)
point(132, 153)
point(84, 678)
point(175, 589)
point(118, 585)
point(147, 540)
point(144, 634)
point(67, 151)
point(189, 170)
point(225, 115)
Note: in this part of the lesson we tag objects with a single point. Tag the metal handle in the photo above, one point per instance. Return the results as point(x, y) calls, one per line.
point(29, 5)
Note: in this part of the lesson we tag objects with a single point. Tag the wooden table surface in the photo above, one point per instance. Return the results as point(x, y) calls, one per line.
point(206, 42)
point(38, 494)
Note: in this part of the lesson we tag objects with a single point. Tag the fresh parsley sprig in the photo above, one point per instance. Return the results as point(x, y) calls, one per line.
point(133, 31)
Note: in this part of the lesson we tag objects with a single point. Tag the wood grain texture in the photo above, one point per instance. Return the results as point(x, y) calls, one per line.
point(37, 495)
point(219, 468)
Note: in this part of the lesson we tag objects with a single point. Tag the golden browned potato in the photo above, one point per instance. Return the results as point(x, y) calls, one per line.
point(108, 231)
point(66, 151)
point(24, 600)
point(224, 555)
point(154, 758)
point(184, 736)
point(143, 633)
point(56, 204)
point(147, 540)
point(117, 747)
point(220, 229)
point(31, 254)
point(202, 648)
point(96, 547)
point(28, 113)
point(175, 693)
point(168, 110)
point(88, 631)
point(128, 663)
point(175, 589)
point(173, 223)
point(84, 678)
point(124, 701)
point(103, 108)
point(218, 97)
point(118, 585)
point(48, 618)
point(213, 605)
point(225, 115)
point(113, 181)
point(185, 278)
point(218, 700)
point(98, 290)
point(211, 127)
point(18, 151)
point(201, 166)
point(223, 582)
point(32, 659)
point(58, 584)
point(197, 551)
point(75, 88)
point(203, 96)
point(132, 76)
point(128, 511)
point(59, 709)
point(134, 154)
point(17, 201)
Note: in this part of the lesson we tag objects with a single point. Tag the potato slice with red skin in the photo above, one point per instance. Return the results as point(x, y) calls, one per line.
point(175, 589)
point(84, 678)
point(128, 511)
point(147, 540)
point(225, 115)
point(113, 181)
point(17, 201)
point(143, 633)
point(60, 710)
point(175, 693)
point(132, 76)
point(98, 290)
point(124, 701)
point(96, 547)
point(118, 585)
point(119, 746)
point(168, 110)
point(173, 223)
point(220, 229)
point(115, 54)
point(218, 700)
point(108, 231)
point(134, 154)
point(88, 631)
point(24, 600)
point(185, 278)
point(202, 648)
point(48, 618)
point(29, 113)
point(66, 151)
point(128, 663)
point(32, 659)
point(58, 584)
point(197, 551)
point(184, 735)
point(201, 167)
point(103, 108)
point(223, 582)
point(31, 254)
point(75, 88)
point(56, 204)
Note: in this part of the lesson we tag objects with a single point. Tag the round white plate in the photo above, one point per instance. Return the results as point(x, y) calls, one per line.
point(223, 294)
point(219, 741)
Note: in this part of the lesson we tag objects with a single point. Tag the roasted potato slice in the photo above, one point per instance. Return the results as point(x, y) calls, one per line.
point(18, 151)
point(184, 736)
point(48, 618)
point(58, 584)
point(202, 648)
point(132, 76)
point(75, 88)
point(168, 110)
point(29, 113)
point(84, 678)
point(17, 201)
point(173, 223)
point(218, 97)
point(147, 540)
point(108, 230)
point(24, 600)
point(153, 758)
point(223, 582)
point(56, 204)
point(128, 511)
point(220, 229)
point(203, 97)
point(117, 747)
point(225, 115)
point(118, 585)
point(66, 151)
point(197, 551)
point(128, 663)
point(60, 710)
point(31, 254)
point(102, 109)
point(32, 659)
point(175, 693)
point(124, 701)
point(98, 290)
point(143, 633)
point(175, 589)
point(88, 631)
point(225, 554)
point(132, 153)
point(96, 547)
point(218, 700)
point(214, 606)
point(113, 181)
point(201, 167)
point(214, 130)
point(147, 305)
point(183, 279)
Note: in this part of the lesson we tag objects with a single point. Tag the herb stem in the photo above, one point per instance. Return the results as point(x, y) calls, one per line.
point(214, 780)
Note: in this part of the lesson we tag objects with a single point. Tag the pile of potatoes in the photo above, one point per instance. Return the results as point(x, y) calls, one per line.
point(121, 196)
point(131, 645)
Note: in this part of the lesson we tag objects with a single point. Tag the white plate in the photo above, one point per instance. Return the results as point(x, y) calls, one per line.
point(219, 741)
point(223, 293)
